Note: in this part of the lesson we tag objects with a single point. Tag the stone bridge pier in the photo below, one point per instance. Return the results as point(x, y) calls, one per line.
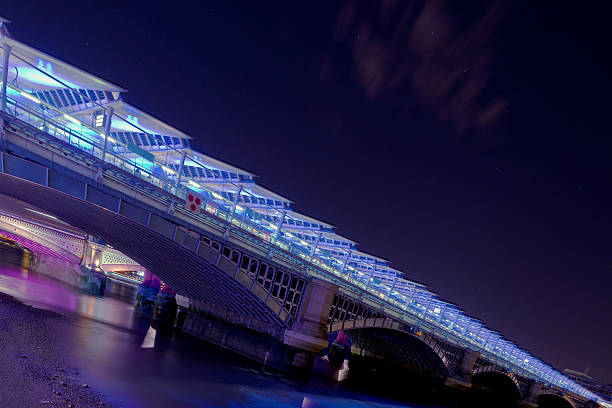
point(463, 377)
point(92, 277)
point(309, 334)
point(310, 331)
point(531, 397)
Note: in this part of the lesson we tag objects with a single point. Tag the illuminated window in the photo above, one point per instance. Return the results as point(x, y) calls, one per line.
point(99, 120)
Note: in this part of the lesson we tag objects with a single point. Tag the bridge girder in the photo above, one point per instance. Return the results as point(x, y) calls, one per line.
point(31, 240)
point(185, 271)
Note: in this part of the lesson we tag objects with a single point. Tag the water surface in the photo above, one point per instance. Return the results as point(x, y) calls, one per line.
point(126, 359)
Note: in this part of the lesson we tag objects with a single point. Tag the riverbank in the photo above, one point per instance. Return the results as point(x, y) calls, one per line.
point(33, 363)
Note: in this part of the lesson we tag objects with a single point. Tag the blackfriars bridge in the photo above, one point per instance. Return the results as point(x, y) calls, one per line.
point(98, 186)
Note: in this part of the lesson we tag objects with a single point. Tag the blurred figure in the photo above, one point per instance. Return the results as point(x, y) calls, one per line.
point(338, 349)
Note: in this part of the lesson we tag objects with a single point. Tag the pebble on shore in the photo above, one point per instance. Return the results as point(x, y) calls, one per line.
point(33, 362)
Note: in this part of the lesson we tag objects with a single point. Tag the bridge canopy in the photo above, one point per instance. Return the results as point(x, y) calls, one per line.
point(52, 70)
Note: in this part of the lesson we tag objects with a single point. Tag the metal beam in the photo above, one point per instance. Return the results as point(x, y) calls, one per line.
point(107, 126)
point(180, 172)
point(234, 203)
point(280, 223)
point(314, 247)
point(5, 68)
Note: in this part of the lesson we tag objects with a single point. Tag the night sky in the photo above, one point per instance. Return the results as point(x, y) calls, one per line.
point(469, 146)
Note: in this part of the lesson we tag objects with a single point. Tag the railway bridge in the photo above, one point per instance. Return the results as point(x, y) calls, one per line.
point(125, 190)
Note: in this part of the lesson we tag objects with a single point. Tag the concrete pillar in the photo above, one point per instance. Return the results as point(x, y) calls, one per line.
point(463, 377)
point(92, 256)
point(531, 398)
point(310, 331)
point(467, 363)
point(92, 277)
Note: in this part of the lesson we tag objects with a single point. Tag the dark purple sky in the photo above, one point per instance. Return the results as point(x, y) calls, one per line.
point(472, 147)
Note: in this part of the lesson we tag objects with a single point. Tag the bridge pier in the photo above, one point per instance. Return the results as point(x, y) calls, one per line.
point(92, 277)
point(463, 377)
point(309, 335)
point(531, 398)
point(310, 332)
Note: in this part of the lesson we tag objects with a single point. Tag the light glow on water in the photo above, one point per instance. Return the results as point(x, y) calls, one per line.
point(122, 356)
point(149, 340)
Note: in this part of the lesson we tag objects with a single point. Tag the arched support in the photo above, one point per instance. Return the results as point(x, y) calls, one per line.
point(551, 400)
point(401, 349)
point(497, 381)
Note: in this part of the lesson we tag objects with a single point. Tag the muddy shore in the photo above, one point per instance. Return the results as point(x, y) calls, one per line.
point(33, 364)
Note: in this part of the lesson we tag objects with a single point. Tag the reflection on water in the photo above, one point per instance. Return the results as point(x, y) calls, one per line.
point(125, 358)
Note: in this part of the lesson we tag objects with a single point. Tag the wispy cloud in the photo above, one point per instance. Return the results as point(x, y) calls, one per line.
point(425, 50)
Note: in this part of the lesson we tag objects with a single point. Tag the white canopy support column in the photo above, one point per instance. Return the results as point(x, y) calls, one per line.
point(280, 224)
point(234, 205)
point(5, 68)
point(180, 172)
point(392, 285)
point(314, 247)
point(346, 258)
point(107, 128)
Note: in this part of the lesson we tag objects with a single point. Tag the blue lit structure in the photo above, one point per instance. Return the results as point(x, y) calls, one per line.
point(90, 114)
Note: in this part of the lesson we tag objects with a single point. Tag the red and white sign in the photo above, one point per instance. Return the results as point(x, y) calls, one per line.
point(193, 203)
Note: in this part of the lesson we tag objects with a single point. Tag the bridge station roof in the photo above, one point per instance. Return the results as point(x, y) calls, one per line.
point(27, 57)
point(138, 121)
